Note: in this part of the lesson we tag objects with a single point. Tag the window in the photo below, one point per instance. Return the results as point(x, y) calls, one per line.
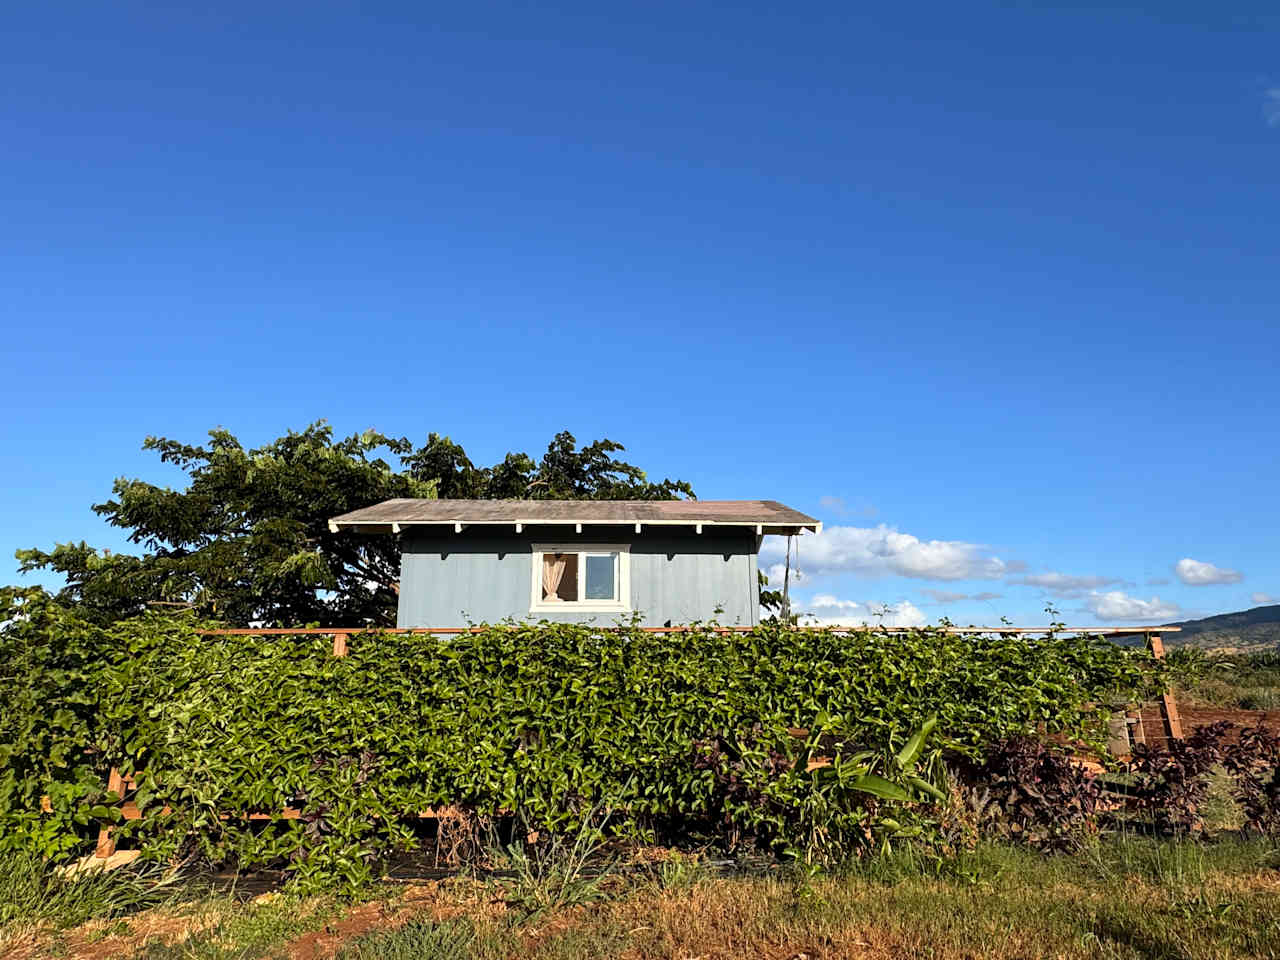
point(581, 577)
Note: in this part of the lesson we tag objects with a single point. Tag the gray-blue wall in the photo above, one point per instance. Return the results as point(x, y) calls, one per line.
point(483, 575)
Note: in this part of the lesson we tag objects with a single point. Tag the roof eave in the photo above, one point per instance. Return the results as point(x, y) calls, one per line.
point(760, 528)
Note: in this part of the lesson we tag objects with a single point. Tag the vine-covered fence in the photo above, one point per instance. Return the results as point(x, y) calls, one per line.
point(186, 739)
point(1150, 722)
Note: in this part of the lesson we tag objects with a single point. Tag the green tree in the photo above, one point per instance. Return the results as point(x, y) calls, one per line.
point(247, 540)
point(564, 473)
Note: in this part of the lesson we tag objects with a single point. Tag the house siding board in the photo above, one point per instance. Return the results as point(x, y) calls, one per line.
point(753, 579)
point(483, 576)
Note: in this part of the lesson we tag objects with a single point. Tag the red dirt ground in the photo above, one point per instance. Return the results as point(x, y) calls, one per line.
point(1192, 717)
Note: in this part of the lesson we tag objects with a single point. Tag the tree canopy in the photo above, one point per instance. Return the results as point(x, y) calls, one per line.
point(247, 540)
point(563, 473)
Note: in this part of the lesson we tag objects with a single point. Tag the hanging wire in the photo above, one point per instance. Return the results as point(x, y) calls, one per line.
point(786, 586)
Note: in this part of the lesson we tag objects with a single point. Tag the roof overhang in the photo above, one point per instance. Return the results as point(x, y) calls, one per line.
point(518, 525)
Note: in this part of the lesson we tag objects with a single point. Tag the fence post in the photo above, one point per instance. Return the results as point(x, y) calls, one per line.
point(106, 844)
point(339, 644)
point(1168, 705)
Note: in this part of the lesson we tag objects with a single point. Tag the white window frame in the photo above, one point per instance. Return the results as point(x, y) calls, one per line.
point(622, 579)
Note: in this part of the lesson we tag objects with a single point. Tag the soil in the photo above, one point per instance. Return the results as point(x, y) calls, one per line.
point(325, 942)
point(1192, 717)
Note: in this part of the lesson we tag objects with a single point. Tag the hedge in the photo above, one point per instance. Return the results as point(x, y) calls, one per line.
point(557, 724)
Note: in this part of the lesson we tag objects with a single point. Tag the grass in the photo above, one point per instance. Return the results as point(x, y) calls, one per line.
point(227, 930)
point(1245, 681)
point(1129, 897)
point(416, 940)
point(144, 910)
point(557, 871)
point(35, 892)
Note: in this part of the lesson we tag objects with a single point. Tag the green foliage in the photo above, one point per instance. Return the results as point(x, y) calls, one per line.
point(563, 473)
point(1245, 681)
point(770, 600)
point(53, 741)
point(854, 796)
point(248, 539)
point(550, 722)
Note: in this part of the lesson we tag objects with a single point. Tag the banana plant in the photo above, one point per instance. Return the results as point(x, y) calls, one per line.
point(895, 777)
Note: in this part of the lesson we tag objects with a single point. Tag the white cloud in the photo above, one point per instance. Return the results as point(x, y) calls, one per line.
point(1261, 598)
point(1118, 605)
point(882, 551)
point(1064, 584)
point(1271, 106)
point(825, 610)
point(777, 574)
point(826, 605)
point(1195, 573)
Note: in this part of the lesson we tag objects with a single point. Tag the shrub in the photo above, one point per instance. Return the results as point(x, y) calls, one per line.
point(1254, 764)
point(1171, 781)
point(1036, 792)
point(847, 799)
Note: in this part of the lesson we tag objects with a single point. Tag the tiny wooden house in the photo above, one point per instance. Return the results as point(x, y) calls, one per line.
point(663, 562)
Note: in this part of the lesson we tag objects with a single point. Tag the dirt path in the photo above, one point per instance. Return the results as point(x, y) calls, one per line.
point(426, 899)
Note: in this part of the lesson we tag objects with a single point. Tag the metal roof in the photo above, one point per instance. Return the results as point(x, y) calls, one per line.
point(767, 516)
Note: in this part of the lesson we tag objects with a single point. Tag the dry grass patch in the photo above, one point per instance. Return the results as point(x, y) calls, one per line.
point(1130, 900)
point(850, 918)
point(1133, 899)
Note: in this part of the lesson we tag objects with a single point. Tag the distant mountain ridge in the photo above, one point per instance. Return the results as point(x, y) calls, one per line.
point(1244, 630)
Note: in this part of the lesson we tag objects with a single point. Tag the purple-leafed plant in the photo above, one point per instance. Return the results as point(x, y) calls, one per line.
point(1171, 782)
point(1253, 761)
point(1037, 792)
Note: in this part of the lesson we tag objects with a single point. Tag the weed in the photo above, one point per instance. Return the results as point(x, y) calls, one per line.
point(553, 871)
point(416, 940)
point(680, 872)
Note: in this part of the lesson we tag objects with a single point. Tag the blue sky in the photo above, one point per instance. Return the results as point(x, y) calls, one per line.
point(991, 289)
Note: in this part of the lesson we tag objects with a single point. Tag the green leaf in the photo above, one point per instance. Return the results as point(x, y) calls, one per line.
point(878, 786)
point(908, 754)
point(924, 786)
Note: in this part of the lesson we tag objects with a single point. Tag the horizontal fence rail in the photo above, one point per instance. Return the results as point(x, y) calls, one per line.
point(348, 631)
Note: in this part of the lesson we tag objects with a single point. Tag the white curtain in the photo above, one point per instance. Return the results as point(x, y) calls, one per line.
point(553, 565)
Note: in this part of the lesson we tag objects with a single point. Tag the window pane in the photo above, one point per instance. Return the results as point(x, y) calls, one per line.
point(559, 577)
point(600, 570)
